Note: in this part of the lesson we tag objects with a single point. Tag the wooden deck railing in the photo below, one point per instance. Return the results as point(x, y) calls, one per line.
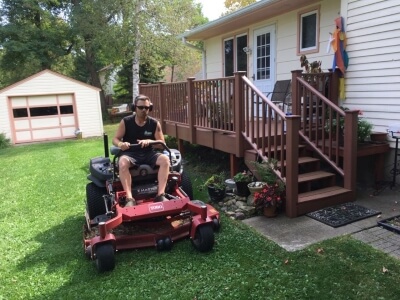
point(325, 127)
point(234, 106)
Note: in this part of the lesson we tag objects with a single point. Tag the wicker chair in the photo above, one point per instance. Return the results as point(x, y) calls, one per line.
point(281, 93)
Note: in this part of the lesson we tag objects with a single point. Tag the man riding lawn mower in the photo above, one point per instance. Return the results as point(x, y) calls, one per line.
point(111, 225)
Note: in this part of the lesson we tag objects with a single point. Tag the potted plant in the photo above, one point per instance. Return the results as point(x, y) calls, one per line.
point(255, 187)
point(242, 179)
point(265, 171)
point(364, 127)
point(269, 199)
point(216, 186)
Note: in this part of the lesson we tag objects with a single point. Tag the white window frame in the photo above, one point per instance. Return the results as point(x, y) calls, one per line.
point(301, 16)
point(235, 54)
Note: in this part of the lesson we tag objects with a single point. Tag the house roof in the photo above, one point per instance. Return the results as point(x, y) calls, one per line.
point(49, 72)
point(256, 12)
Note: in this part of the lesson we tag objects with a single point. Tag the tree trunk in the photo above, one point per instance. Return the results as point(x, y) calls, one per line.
point(136, 55)
point(94, 75)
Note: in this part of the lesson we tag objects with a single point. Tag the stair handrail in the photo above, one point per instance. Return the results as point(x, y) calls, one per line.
point(322, 124)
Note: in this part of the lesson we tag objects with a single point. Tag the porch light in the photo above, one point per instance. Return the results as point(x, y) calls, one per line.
point(247, 50)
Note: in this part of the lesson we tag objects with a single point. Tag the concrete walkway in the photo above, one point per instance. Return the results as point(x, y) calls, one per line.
point(298, 233)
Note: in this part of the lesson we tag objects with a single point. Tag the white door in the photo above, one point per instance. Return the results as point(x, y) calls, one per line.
point(264, 59)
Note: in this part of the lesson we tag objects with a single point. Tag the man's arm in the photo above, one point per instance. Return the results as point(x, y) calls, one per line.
point(117, 139)
point(159, 136)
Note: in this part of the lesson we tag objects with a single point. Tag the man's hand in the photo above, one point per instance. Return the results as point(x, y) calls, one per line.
point(144, 143)
point(124, 145)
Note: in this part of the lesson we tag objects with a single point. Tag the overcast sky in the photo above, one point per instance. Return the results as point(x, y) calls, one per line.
point(212, 9)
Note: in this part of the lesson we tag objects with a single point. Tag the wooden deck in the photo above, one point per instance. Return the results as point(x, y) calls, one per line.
point(233, 116)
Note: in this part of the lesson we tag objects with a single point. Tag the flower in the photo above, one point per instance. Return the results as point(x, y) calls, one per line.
point(269, 196)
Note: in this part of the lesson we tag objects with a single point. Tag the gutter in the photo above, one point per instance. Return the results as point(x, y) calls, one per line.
point(244, 11)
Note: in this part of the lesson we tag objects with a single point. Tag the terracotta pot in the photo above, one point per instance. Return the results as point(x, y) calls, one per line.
point(270, 211)
point(378, 137)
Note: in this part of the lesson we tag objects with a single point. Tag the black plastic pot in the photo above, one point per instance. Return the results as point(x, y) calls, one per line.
point(215, 194)
point(241, 189)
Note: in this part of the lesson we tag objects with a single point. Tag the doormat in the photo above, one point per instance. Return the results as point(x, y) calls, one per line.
point(392, 224)
point(343, 214)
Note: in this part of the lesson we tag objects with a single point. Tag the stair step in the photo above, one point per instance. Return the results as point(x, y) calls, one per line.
point(279, 147)
point(311, 176)
point(322, 193)
point(302, 161)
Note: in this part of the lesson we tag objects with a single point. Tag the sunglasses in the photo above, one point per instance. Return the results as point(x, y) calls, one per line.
point(143, 107)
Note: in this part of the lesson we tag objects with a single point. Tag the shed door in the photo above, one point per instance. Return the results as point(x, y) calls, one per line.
point(41, 118)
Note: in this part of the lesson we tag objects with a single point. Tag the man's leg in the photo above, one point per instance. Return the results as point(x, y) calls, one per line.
point(125, 176)
point(163, 163)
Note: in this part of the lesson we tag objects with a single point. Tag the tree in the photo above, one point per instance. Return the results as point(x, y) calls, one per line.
point(234, 5)
point(33, 37)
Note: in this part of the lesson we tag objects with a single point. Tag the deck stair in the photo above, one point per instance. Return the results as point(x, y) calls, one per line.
point(317, 187)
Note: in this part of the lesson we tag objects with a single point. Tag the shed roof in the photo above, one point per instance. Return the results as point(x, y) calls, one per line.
point(48, 72)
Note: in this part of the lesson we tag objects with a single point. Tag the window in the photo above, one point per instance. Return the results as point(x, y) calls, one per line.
point(235, 59)
point(308, 31)
point(43, 111)
point(20, 112)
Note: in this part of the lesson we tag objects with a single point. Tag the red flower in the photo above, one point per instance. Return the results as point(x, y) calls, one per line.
point(270, 195)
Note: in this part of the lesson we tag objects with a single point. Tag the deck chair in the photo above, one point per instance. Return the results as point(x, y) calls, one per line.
point(280, 93)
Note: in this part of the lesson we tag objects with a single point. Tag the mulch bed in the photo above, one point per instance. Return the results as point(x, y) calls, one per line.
point(343, 214)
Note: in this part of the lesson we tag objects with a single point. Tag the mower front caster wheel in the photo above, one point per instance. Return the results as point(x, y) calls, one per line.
point(105, 257)
point(204, 238)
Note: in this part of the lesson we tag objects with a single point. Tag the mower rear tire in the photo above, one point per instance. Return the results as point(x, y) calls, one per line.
point(186, 184)
point(204, 238)
point(94, 200)
point(105, 257)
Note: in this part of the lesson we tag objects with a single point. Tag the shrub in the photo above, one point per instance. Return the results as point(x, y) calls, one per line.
point(4, 142)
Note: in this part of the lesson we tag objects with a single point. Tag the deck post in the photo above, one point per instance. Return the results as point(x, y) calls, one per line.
point(239, 113)
point(292, 158)
point(334, 86)
point(296, 95)
point(191, 109)
point(162, 104)
point(350, 150)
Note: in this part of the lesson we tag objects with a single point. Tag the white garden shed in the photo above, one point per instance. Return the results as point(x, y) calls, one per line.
point(49, 106)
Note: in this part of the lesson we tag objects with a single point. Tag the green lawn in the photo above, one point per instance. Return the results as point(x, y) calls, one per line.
point(42, 213)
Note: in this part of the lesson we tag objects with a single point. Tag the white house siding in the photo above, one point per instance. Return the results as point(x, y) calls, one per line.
point(46, 83)
point(373, 75)
point(287, 58)
point(214, 59)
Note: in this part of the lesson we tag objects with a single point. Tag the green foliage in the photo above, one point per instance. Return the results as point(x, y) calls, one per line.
point(151, 71)
point(217, 181)
point(234, 5)
point(4, 141)
point(364, 128)
point(33, 38)
point(244, 176)
point(265, 171)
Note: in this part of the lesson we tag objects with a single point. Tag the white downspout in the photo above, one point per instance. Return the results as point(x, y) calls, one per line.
point(203, 54)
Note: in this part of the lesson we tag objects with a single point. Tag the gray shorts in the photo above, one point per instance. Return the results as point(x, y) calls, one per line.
point(140, 158)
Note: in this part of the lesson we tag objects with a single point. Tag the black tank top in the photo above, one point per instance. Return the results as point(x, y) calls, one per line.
point(134, 132)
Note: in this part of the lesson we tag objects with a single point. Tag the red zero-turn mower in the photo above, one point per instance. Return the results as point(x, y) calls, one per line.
point(110, 226)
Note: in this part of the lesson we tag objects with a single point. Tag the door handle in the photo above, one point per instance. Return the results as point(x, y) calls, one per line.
point(253, 77)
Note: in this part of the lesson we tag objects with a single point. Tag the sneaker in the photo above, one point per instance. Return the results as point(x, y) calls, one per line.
point(160, 198)
point(130, 202)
